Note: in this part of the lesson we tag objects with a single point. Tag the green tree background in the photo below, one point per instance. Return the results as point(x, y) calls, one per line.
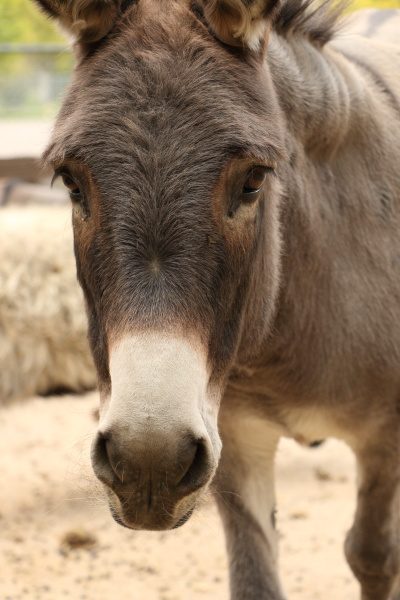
point(22, 22)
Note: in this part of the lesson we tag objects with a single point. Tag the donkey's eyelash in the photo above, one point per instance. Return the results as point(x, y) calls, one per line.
point(56, 175)
point(59, 173)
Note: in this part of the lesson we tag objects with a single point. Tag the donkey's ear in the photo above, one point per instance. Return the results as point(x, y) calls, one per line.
point(86, 20)
point(240, 22)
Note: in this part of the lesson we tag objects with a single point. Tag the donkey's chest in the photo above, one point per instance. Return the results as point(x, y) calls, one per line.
point(306, 418)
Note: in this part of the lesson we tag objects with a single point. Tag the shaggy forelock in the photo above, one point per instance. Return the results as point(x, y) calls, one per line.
point(152, 85)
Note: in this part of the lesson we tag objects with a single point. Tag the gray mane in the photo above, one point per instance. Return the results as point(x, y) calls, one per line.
point(316, 21)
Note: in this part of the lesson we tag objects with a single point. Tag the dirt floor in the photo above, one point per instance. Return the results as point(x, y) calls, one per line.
point(59, 541)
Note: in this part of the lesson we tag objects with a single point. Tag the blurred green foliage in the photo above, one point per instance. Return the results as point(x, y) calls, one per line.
point(357, 4)
point(22, 21)
point(30, 84)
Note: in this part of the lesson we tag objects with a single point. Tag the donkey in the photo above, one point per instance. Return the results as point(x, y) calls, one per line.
point(234, 171)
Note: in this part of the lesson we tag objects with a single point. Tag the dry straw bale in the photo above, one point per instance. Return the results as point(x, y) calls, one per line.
point(43, 343)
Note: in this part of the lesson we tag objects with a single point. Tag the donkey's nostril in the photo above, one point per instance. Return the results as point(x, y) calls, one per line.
point(196, 466)
point(102, 461)
point(180, 469)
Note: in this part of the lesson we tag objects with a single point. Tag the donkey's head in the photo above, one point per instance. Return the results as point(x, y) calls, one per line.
point(168, 141)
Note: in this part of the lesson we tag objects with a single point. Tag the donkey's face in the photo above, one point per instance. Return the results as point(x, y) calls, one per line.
point(168, 142)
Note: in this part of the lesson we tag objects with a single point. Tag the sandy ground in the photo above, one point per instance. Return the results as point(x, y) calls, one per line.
point(59, 541)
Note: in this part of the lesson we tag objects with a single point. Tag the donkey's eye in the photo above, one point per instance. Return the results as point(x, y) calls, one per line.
point(253, 184)
point(76, 193)
point(72, 186)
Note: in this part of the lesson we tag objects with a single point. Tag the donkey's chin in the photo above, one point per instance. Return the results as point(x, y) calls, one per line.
point(156, 520)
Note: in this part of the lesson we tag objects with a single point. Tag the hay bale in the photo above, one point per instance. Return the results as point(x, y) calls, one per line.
point(43, 343)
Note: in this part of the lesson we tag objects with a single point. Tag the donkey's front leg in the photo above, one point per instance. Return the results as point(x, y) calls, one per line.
point(373, 544)
point(244, 490)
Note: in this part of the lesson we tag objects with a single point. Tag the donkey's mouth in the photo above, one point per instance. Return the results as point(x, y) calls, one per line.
point(118, 519)
point(153, 527)
point(184, 519)
point(160, 520)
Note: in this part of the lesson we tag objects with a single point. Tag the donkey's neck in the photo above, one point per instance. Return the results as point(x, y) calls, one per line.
point(316, 91)
point(338, 219)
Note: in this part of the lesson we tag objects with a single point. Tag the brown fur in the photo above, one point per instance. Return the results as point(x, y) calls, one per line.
point(297, 296)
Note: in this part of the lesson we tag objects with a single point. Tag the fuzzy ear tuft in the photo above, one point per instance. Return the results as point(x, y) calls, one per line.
point(240, 22)
point(87, 20)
